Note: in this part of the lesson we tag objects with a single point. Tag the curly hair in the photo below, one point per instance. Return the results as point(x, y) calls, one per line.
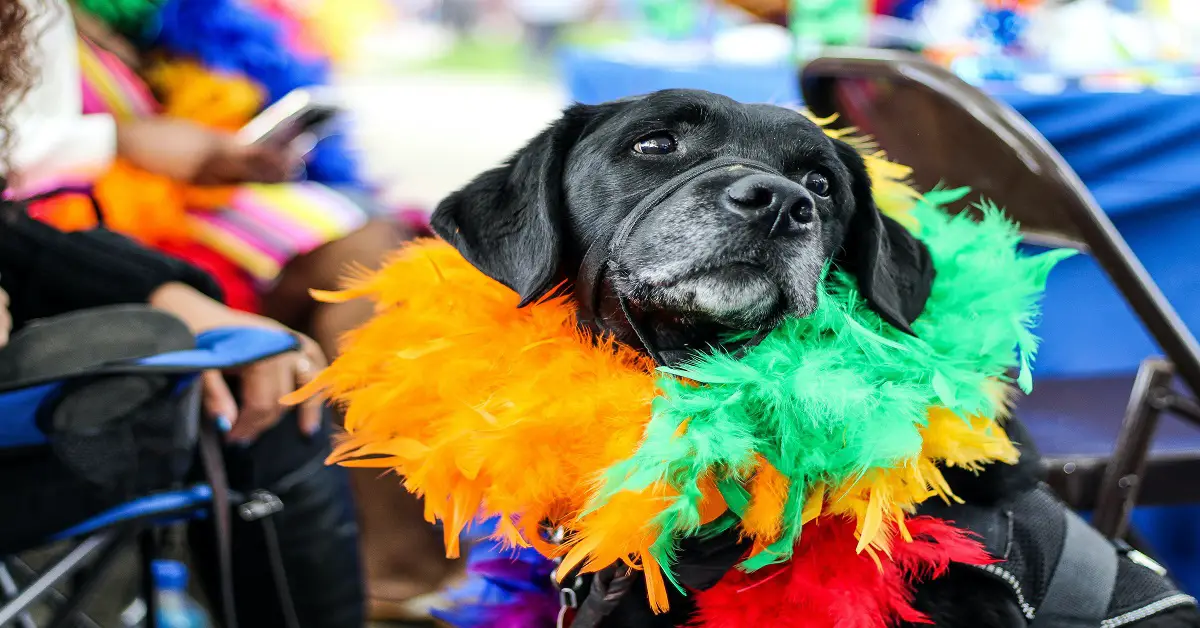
point(16, 73)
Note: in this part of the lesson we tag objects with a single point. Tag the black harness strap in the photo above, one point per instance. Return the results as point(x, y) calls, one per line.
point(1082, 586)
point(1079, 590)
point(214, 468)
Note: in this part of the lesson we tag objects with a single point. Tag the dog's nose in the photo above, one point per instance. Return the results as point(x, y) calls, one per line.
point(779, 205)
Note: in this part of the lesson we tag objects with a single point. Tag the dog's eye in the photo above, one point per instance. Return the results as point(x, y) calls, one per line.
point(659, 144)
point(817, 183)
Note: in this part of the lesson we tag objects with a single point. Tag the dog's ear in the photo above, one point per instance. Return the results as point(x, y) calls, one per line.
point(894, 270)
point(508, 221)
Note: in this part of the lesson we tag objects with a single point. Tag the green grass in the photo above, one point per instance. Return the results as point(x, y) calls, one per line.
point(480, 55)
point(597, 34)
point(498, 55)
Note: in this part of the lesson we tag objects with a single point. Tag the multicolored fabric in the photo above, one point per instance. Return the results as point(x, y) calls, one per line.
point(251, 40)
point(267, 225)
point(258, 227)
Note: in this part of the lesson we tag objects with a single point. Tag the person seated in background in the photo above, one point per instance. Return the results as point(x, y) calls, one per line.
point(45, 272)
point(186, 185)
point(94, 118)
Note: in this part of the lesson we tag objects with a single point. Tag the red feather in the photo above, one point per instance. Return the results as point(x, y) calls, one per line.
point(828, 585)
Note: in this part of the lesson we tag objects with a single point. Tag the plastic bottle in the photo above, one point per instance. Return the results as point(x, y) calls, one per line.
point(176, 609)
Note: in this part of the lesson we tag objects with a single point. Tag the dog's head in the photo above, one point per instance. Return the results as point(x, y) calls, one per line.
point(736, 247)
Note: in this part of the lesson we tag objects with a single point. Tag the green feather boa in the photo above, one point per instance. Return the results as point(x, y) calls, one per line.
point(833, 396)
point(128, 17)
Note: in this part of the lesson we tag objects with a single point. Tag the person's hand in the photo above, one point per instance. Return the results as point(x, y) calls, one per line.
point(5, 318)
point(262, 384)
point(191, 153)
point(234, 163)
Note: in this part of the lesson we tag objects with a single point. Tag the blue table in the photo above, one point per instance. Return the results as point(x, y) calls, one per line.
point(1139, 153)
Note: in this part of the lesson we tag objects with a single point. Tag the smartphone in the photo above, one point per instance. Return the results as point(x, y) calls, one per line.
point(301, 113)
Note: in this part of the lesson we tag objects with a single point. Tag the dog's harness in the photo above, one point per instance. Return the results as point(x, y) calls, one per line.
point(602, 254)
point(1061, 571)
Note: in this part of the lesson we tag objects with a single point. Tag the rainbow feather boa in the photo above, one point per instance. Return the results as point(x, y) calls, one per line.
point(492, 411)
point(234, 38)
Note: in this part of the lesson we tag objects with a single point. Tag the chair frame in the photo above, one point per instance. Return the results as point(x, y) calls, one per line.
point(1121, 476)
point(85, 565)
point(97, 542)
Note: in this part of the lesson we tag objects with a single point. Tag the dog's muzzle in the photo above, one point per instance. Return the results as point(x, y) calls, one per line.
point(602, 255)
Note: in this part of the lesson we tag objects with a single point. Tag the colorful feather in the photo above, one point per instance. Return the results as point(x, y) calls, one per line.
point(506, 588)
point(828, 585)
point(231, 36)
point(238, 39)
point(129, 17)
point(492, 411)
point(840, 399)
point(212, 98)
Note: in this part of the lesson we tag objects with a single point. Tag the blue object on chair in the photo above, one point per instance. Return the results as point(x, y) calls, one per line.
point(100, 534)
point(186, 500)
point(17, 411)
point(224, 348)
point(216, 349)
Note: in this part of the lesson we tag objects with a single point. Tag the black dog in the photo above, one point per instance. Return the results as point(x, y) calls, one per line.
point(683, 215)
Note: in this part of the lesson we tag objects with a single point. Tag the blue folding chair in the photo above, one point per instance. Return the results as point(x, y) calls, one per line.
point(31, 426)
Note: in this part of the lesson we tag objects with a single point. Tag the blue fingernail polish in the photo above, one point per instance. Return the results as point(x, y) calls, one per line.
point(224, 424)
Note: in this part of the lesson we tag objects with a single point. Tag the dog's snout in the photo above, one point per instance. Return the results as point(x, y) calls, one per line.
point(781, 206)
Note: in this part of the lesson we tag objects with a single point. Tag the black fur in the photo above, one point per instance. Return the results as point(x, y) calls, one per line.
point(899, 287)
point(508, 222)
point(697, 267)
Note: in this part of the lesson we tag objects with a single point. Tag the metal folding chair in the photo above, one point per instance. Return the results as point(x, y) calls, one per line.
point(954, 134)
point(95, 542)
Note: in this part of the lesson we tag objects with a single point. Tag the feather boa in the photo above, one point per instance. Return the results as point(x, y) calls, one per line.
point(230, 36)
point(826, 585)
point(334, 27)
point(234, 38)
point(823, 586)
point(220, 100)
point(784, 433)
point(507, 588)
point(128, 17)
point(492, 411)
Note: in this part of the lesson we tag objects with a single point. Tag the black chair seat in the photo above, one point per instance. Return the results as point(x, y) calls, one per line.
point(1074, 423)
